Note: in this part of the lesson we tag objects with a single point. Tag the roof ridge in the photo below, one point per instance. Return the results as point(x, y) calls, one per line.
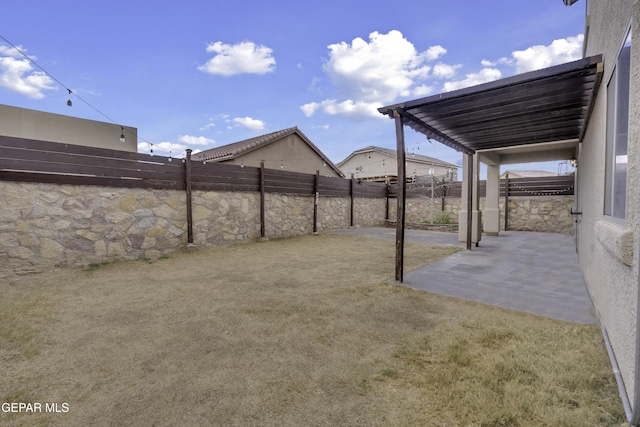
point(235, 148)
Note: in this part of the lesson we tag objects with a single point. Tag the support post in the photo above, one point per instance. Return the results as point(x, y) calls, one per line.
point(506, 202)
point(491, 212)
point(351, 222)
point(469, 200)
point(187, 178)
point(388, 192)
point(263, 219)
point(402, 184)
point(316, 193)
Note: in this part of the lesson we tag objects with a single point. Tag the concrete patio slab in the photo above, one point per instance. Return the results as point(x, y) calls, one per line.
point(526, 271)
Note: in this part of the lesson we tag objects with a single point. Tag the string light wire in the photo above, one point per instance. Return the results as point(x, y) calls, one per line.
point(71, 92)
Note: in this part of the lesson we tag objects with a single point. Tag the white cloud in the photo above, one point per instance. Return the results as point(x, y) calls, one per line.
point(379, 70)
point(244, 57)
point(356, 109)
point(445, 71)
point(368, 74)
point(207, 126)
point(249, 123)
point(310, 108)
point(435, 52)
point(486, 63)
point(539, 56)
point(423, 90)
point(483, 76)
point(17, 74)
point(196, 140)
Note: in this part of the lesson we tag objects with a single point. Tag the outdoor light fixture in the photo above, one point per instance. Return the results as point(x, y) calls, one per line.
point(122, 140)
point(69, 103)
point(573, 161)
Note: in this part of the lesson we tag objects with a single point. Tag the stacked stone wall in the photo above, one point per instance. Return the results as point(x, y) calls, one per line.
point(549, 214)
point(45, 225)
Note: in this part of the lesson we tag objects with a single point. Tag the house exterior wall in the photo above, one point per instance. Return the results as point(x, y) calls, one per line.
point(375, 164)
point(32, 124)
point(292, 152)
point(608, 249)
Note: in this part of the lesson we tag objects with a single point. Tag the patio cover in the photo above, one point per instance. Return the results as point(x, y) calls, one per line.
point(546, 105)
point(542, 106)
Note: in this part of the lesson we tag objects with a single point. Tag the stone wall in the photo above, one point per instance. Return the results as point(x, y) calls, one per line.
point(550, 214)
point(45, 225)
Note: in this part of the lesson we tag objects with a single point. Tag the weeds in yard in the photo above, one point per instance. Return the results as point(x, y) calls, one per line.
point(94, 266)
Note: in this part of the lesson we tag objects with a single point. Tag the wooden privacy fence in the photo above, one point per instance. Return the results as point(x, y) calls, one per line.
point(561, 185)
point(55, 163)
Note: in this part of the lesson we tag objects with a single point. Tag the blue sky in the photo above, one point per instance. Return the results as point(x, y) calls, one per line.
point(199, 74)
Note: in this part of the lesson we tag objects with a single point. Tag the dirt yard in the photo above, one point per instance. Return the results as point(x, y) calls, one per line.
point(294, 332)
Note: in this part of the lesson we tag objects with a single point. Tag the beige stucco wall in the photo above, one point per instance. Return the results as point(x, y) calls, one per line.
point(293, 153)
point(608, 248)
point(376, 164)
point(32, 124)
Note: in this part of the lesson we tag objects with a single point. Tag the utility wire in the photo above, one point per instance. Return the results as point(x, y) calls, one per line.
point(63, 85)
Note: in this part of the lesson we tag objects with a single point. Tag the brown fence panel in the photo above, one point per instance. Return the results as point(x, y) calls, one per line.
point(334, 187)
point(543, 186)
point(286, 182)
point(370, 189)
point(224, 177)
point(51, 162)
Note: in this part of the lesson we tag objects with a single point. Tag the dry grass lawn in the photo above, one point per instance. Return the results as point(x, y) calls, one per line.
point(296, 332)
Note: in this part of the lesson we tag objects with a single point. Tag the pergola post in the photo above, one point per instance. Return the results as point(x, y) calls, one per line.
point(402, 185)
point(469, 217)
point(492, 206)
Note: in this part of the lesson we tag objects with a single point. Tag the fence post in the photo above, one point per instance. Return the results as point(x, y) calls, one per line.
point(316, 197)
point(351, 194)
point(263, 231)
point(388, 192)
point(506, 202)
point(187, 178)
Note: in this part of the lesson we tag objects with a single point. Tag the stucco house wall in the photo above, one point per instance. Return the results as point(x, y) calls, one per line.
point(375, 163)
point(32, 124)
point(290, 152)
point(608, 247)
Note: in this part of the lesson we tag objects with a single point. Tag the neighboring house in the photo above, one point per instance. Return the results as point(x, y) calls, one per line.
point(287, 149)
point(32, 124)
point(585, 111)
point(380, 164)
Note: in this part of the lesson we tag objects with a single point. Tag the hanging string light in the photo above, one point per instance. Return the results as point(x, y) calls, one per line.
point(69, 91)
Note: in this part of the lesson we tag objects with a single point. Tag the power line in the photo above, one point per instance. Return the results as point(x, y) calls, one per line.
point(71, 92)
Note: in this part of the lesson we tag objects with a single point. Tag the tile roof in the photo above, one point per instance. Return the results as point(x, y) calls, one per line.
point(413, 157)
point(233, 150)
